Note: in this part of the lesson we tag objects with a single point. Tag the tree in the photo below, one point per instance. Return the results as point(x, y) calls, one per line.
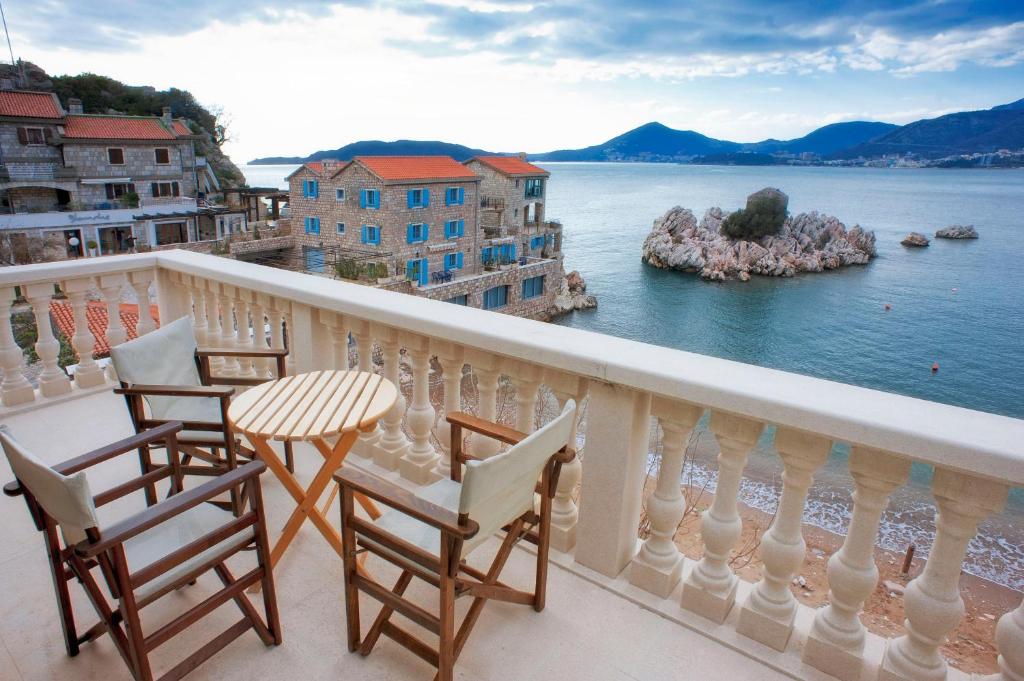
point(764, 215)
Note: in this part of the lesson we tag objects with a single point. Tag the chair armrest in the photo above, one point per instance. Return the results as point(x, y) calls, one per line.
point(174, 390)
point(167, 509)
point(509, 436)
point(240, 352)
point(116, 449)
point(405, 501)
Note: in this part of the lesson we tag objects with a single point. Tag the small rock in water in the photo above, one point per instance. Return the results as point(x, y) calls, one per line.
point(957, 232)
point(915, 239)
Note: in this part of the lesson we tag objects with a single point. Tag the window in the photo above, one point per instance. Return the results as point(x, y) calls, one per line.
point(163, 156)
point(452, 261)
point(534, 188)
point(416, 232)
point(454, 196)
point(115, 156)
point(33, 136)
point(171, 233)
point(536, 242)
point(310, 189)
point(159, 189)
point(341, 228)
point(454, 228)
point(314, 257)
point(495, 297)
point(339, 194)
point(416, 271)
point(369, 198)
point(533, 287)
point(371, 234)
point(458, 300)
point(117, 190)
point(506, 253)
point(312, 225)
point(418, 198)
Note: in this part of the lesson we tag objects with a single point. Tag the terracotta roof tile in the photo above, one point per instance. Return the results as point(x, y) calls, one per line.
point(29, 104)
point(510, 165)
point(416, 168)
point(96, 314)
point(315, 166)
point(116, 127)
point(181, 129)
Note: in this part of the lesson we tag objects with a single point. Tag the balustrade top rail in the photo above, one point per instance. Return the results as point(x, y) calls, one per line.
point(975, 442)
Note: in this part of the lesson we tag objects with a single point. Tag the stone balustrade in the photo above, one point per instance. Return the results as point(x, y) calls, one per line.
point(447, 357)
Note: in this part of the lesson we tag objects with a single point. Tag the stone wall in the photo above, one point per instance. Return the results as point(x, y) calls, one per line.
point(90, 161)
point(474, 287)
point(13, 151)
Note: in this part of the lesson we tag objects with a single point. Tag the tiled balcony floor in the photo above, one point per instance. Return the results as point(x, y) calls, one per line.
point(586, 632)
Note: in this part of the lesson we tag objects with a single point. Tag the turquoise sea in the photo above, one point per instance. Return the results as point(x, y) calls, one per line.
point(958, 303)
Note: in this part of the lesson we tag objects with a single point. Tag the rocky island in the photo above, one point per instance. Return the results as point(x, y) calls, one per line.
point(915, 240)
point(957, 232)
point(759, 239)
point(572, 295)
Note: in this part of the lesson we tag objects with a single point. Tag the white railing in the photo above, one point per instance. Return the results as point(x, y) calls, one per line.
point(624, 385)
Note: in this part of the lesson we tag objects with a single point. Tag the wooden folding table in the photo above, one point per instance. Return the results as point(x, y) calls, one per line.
point(312, 407)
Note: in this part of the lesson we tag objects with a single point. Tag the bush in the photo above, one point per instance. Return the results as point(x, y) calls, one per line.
point(764, 215)
point(347, 269)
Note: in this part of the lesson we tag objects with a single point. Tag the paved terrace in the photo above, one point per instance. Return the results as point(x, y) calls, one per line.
point(618, 608)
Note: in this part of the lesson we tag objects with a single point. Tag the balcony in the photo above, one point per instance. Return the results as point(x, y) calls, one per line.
point(619, 607)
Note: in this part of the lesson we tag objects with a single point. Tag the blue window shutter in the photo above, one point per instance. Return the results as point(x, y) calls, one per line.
point(424, 264)
point(426, 198)
point(316, 224)
point(458, 260)
point(409, 200)
point(305, 224)
point(426, 232)
point(462, 195)
point(364, 234)
point(362, 204)
point(462, 223)
point(408, 233)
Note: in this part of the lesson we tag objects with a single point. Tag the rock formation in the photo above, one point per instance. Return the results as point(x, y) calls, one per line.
point(572, 295)
point(915, 239)
point(957, 232)
point(808, 242)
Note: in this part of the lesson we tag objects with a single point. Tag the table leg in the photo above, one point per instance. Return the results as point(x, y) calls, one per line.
point(371, 508)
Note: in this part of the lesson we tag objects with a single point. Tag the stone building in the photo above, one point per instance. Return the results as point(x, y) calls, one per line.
point(413, 223)
point(76, 185)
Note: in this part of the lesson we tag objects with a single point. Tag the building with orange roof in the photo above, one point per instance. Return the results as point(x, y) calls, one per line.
point(74, 184)
point(414, 223)
point(512, 200)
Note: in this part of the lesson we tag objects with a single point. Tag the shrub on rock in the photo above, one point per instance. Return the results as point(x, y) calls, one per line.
point(764, 216)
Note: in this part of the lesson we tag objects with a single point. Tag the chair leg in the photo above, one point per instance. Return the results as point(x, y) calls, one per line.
point(130, 616)
point(446, 644)
point(348, 543)
point(540, 586)
point(60, 587)
point(384, 615)
point(263, 556)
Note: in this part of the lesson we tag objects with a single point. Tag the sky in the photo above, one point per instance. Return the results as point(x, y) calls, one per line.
point(297, 76)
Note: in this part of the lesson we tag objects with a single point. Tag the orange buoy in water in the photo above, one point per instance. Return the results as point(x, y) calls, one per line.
point(888, 307)
point(935, 367)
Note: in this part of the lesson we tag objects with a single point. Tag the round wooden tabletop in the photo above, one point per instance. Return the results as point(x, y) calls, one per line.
point(317, 404)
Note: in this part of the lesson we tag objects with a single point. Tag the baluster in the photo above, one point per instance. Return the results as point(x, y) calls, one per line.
point(15, 389)
point(393, 443)
point(1010, 644)
point(243, 339)
point(368, 442)
point(140, 281)
point(198, 308)
point(659, 564)
point(526, 379)
point(335, 324)
point(110, 285)
point(213, 327)
point(564, 512)
point(486, 367)
point(835, 644)
point(263, 365)
point(52, 381)
point(768, 614)
point(449, 356)
point(88, 374)
point(276, 319)
point(289, 327)
point(710, 588)
point(417, 464)
point(227, 340)
point(932, 602)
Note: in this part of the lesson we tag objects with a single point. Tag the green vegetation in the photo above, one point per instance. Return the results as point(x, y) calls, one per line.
point(764, 215)
point(347, 269)
point(23, 324)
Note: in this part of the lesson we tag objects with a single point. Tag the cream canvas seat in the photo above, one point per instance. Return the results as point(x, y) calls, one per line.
point(429, 533)
point(148, 554)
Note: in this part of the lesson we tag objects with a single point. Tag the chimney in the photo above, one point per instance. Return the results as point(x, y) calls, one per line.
point(74, 106)
point(521, 155)
point(166, 115)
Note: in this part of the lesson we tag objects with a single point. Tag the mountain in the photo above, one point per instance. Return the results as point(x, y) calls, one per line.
point(966, 132)
point(826, 140)
point(378, 148)
point(650, 142)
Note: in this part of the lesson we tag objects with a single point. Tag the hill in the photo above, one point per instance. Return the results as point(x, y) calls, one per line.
point(650, 142)
point(826, 140)
point(100, 94)
point(378, 148)
point(966, 132)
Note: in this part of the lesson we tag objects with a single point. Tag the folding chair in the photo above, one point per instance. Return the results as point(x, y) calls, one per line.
point(165, 372)
point(428, 534)
point(147, 555)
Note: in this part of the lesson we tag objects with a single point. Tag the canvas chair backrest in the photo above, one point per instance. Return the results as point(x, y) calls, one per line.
point(166, 356)
point(65, 498)
point(498, 490)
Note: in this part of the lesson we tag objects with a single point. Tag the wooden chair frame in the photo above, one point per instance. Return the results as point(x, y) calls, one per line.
point(448, 572)
point(106, 551)
point(206, 451)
